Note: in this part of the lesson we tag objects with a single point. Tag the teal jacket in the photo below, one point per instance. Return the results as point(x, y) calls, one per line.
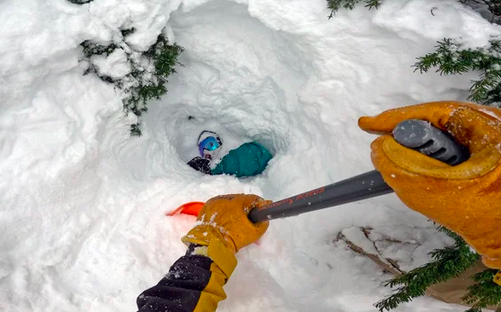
point(247, 160)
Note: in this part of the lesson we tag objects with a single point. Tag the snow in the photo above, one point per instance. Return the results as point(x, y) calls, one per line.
point(114, 65)
point(456, 19)
point(82, 206)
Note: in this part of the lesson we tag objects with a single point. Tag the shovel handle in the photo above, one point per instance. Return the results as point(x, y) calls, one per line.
point(415, 134)
point(367, 185)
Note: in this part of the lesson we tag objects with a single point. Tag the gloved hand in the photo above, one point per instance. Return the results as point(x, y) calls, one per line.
point(465, 198)
point(224, 218)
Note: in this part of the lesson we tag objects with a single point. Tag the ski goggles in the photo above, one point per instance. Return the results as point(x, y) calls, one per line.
point(208, 144)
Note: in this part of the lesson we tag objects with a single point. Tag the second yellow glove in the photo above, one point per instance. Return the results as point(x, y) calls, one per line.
point(224, 218)
point(465, 198)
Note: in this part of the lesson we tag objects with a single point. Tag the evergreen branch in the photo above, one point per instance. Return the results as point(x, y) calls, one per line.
point(90, 49)
point(447, 263)
point(484, 88)
point(336, 5)
point(485, 292)
point(453, 58)
point(473, 310)
point(149, 72)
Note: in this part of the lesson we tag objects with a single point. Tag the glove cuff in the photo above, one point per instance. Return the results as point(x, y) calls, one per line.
point(213, 246)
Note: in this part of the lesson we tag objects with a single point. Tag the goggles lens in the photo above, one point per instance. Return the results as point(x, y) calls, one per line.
point(208, 144)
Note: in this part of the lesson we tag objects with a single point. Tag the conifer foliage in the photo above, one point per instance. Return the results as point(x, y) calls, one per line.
point(494, 6)
point(447, 263)
point(335, 5)
point(452, 58)
point(147, 78)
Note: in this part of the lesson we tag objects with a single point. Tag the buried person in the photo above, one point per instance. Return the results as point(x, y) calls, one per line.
point(248, 160)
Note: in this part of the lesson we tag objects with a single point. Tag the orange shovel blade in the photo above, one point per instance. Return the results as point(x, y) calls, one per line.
point(192, 208)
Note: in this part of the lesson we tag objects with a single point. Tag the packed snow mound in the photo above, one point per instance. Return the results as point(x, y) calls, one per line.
point(83, 205)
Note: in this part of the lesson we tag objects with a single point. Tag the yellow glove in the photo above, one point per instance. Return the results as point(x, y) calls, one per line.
point(224, 218)
point(465, 198)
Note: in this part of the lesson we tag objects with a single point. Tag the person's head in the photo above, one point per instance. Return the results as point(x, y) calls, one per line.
point(208, 144)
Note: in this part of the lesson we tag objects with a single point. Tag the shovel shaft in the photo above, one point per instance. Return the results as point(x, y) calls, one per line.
point(415, 134)
point(367, 185)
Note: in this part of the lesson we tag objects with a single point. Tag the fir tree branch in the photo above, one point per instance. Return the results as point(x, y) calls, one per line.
point(473, 310)
point(485, 292)
point(149, 72)
point(447, 263)
point(336, 5)
point(453, 58)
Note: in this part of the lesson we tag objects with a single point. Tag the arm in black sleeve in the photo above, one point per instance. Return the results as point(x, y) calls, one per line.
point(180, 289)
point(194, 283)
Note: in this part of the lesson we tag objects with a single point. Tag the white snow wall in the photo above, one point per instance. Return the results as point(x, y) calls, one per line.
point(82, 207)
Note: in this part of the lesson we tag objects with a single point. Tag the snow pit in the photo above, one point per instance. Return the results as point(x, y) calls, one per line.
point(82, 211)
point(228, 91)
point(182, 129)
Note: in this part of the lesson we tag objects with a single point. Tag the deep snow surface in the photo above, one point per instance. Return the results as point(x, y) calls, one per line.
point(83, 204)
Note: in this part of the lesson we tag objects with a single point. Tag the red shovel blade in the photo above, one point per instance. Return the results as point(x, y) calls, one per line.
point(192, 209)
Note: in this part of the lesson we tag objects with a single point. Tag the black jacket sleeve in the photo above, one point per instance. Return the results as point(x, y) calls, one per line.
point(180, 289)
